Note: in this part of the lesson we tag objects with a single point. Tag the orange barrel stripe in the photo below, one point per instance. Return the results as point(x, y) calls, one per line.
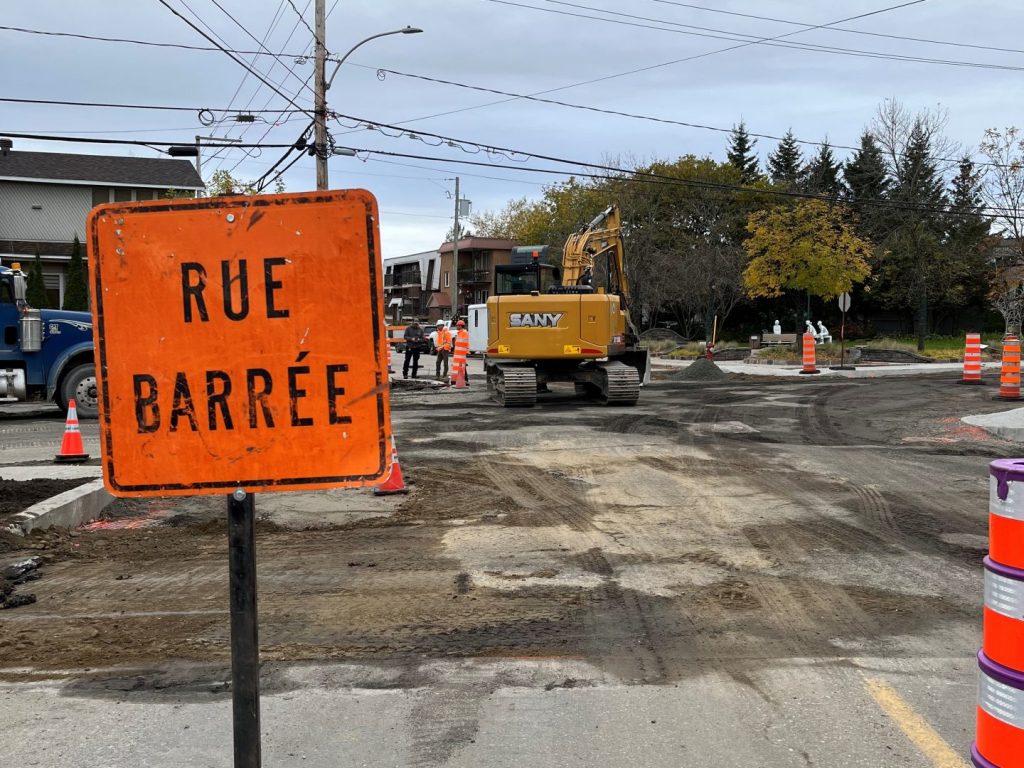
point(972, 357)
point(1006, 512)
point(1000, 711)
point(810, 362)
point(459, 358)
point(1009, 372)
point(1004, 615)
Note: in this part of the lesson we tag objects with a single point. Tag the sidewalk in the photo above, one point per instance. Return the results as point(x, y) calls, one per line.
point(862, 371)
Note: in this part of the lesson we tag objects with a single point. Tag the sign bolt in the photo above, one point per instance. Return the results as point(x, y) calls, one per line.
point(230, 217)
point(239, 494)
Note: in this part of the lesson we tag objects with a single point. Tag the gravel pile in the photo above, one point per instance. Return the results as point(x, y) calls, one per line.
point(701, 369)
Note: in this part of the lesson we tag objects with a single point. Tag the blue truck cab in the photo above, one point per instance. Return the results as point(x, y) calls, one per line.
point(45, 354)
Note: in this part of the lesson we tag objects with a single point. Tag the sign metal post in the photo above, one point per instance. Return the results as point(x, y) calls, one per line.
point(245, 651)
point(844, 306)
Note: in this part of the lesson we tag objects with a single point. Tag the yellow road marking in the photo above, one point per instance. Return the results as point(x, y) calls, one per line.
point(930, 744)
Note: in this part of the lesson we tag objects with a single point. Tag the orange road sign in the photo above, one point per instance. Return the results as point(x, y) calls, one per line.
point(240, 343)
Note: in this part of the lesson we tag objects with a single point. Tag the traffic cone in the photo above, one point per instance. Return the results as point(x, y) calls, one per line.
point(972, 360)
point(1009, 372)
point(395, 482)
point(810, 363)
point(71, 448)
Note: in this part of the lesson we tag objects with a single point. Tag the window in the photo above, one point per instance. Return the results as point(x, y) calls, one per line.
point(447, 282)
point(100, 195)
point(122, 195)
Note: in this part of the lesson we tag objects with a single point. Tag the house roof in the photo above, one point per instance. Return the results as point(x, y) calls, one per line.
point(480, 244)
point(61, 168)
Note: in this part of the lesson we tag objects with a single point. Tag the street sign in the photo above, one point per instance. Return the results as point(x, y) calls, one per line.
point(844, 302)
point(240, 343)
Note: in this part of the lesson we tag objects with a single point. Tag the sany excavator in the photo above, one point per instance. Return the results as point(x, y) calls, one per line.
point(546, 325)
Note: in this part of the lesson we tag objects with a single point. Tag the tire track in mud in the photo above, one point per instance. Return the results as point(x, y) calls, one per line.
point(558, 503)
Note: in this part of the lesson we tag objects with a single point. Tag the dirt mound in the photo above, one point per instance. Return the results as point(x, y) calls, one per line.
point(701, 369)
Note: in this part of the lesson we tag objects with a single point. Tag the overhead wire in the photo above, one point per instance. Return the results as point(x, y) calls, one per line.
point(847, 30)
point(618, 173)
point(733, 36)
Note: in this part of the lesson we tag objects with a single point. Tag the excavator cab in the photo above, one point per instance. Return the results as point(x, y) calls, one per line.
point(527, 274)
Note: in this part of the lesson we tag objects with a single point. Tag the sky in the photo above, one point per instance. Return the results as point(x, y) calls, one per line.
point(726, 69)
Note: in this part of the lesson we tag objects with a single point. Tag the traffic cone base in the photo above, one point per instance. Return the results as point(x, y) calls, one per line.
point(395, 482)
point(71, 448)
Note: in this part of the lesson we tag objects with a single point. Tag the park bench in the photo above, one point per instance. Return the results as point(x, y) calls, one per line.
point(774, 339)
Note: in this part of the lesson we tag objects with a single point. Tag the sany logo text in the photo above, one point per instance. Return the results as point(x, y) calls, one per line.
point(534, 319)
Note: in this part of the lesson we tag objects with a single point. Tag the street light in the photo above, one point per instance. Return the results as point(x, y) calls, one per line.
point(402, 31)
point(323, 83)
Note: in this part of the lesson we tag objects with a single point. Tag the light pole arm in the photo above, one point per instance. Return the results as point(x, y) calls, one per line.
point(403, 31)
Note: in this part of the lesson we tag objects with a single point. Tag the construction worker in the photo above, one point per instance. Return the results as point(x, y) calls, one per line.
point(443, 345)
point(462, 335)
point(414, 344)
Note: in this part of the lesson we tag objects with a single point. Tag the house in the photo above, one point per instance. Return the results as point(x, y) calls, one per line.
point(45, 198)
point(409, 282)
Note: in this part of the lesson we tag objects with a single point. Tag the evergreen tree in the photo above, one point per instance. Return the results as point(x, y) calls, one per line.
point(76, 286)
point(967, 231)
point(741, 153)
point(916, 272)
point(821, 176)
point(785, 162)
point(867, 185)
point(35, 292)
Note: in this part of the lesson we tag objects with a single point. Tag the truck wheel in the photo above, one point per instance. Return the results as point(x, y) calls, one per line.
point(79, 384)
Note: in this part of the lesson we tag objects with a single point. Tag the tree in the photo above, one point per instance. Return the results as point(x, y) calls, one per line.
point(914, 270)
point(76, 282)
point(804, 247)
point(223, 183)
point(821, 176)
point(967, 230)
point(866, 188)
point(1003, 189)
point(741, 154)
point(786, 162)
point(463, 232)
point(35, 292)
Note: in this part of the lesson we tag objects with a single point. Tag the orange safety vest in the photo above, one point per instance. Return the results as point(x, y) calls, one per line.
point(462, 339)
point(444, 339)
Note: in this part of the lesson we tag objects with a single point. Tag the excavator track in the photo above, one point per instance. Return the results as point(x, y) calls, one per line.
point(513, 386)
point(620, 383)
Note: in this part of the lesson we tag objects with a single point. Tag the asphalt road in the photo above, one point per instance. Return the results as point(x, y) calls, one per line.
point(745, 573)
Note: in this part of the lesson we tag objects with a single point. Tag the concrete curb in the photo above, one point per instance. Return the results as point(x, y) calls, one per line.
point(65, 510)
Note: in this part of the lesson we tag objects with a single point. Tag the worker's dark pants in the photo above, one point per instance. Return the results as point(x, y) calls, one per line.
point(414, 355)
point(442, 357)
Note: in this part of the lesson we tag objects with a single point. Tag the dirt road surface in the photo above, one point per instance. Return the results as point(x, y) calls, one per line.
point(744, 573)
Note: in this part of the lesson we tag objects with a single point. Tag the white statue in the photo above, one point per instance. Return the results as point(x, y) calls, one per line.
point(810, 330)
point(824, 337)
point(777, 328)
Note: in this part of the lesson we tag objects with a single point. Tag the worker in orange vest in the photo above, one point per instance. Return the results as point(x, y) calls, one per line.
point(443, 345)
point(462, 335)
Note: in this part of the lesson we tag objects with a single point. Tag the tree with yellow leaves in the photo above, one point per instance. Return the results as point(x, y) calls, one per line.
point(804, 247)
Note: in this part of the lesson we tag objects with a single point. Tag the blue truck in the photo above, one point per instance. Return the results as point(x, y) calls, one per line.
point(47, 354)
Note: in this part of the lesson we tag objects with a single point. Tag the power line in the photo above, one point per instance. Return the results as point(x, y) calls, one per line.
point(252, 62)
point(233, 57)
point(651, 67)
point(771, 42)
point(151, 144)
point(64, 103)
point(847, 30)
point(303, 20)
point(251, 35)
point(633, 175)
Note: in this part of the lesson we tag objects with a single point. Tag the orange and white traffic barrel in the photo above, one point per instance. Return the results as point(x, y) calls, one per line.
point(972, 359)
point(1000, 730)
point(810, 362)
point(1009, 371)
point(1006, 512)
point(1003, 638)
point(459, 360)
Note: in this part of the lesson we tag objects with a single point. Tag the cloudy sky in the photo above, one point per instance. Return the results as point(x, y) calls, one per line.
point(723, 69)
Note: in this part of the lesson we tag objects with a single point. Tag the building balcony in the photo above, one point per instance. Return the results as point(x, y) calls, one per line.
point(402, 279)
point(467, 276)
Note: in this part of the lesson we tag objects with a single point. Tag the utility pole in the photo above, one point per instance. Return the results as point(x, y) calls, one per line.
point(320, 104)
point(455, 255)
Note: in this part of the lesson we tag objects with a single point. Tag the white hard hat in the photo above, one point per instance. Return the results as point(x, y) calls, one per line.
point(440, 322)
